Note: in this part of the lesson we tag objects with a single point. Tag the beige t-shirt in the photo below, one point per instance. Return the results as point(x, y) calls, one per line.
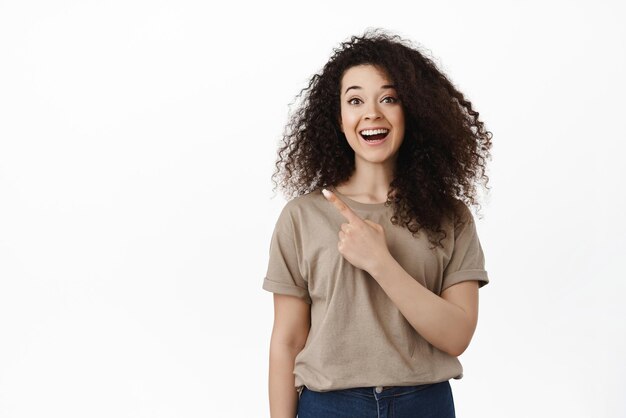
point(358, 337)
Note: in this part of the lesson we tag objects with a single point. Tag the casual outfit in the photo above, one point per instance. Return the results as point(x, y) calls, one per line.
point(359, 340)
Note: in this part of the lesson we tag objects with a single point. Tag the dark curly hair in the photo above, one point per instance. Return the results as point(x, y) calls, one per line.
point(440, 160)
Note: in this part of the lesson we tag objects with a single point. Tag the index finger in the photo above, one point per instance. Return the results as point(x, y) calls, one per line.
point(341, 206)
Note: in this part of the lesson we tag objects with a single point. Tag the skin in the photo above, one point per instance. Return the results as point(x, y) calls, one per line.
point(292, 322)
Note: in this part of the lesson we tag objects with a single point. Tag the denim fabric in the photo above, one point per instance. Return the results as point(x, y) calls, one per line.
point(432, 400)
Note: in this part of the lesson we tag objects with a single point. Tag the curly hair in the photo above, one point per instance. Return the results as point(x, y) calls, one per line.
point(443, 154)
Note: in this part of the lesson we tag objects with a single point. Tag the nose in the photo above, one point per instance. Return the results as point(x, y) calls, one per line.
point(372, 112)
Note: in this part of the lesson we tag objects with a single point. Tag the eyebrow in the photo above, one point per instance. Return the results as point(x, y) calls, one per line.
point(386, 86)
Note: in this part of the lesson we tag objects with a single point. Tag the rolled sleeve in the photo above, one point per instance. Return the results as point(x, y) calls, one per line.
point(283, 273)
point(467, 261)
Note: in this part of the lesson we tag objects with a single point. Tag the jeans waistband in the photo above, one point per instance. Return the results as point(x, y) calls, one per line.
point(384, 391)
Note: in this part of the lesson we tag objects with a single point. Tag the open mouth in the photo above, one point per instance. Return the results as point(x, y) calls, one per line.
point(374, 135)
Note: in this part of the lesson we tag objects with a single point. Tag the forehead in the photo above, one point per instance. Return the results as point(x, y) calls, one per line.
point(366, 76)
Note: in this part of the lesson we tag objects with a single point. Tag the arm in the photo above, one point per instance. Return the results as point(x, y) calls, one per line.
point(292, 321)
point(447, 322)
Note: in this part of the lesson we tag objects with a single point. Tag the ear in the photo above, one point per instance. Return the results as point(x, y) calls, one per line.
point(340, 124)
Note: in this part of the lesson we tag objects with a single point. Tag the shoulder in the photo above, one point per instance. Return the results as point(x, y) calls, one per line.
point(462, 214)
point(458, 219)
point(299, 208)
point(306, 202)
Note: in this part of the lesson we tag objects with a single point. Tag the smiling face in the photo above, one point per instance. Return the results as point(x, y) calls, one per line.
point(372, 117)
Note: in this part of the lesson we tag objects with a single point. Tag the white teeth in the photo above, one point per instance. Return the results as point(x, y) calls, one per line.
point(374, 131)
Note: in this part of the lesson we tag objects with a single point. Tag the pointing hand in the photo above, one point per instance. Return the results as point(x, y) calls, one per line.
point(361, 241)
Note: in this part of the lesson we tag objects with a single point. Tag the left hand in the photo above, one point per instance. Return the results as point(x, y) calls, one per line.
point(361, 241)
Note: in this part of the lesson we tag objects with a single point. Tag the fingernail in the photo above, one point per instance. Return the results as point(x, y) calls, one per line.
point(326, 192)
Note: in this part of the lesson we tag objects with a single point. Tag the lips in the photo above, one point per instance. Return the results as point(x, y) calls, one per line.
point(373, 134)
point(374, 139)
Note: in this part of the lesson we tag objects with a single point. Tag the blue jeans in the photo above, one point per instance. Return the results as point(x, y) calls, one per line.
point(432, 400)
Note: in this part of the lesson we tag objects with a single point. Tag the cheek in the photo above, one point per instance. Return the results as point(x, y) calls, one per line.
point(349, 120)
point(399, 120)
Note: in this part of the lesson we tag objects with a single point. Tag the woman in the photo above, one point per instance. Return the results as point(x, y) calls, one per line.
point(376, 279)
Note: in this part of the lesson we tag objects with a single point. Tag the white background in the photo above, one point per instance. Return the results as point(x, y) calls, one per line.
point(137, 141)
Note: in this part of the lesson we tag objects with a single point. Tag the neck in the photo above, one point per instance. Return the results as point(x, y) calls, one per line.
point(369, 179)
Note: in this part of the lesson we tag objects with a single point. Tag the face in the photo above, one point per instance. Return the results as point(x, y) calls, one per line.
point(372, 117)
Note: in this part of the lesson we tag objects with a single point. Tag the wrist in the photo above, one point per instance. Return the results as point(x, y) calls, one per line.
point(381, 265)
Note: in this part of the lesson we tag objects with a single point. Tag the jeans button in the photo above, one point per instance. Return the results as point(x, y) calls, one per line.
point(379, 389)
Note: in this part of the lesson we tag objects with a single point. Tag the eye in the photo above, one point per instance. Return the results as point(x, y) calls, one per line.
point(352, 100)
point(391, 98)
